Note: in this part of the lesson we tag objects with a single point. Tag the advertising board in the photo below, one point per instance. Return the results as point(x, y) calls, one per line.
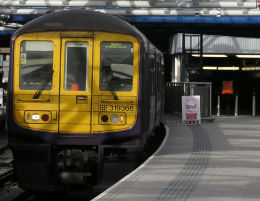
point(191, 108)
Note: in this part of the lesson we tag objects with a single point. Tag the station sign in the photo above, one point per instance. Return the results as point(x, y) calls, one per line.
point(191, 108)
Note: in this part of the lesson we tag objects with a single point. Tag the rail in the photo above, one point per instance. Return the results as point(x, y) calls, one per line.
point(6, 176)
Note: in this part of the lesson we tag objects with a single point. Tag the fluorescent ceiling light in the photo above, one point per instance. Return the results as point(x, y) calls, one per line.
point(210, 55)
point(250, 68)
point(228, 68)
point(248, 55)
point(210, 67)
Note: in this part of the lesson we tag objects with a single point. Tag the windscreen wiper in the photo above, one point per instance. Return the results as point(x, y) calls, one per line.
point(113, 92)
point(110, 88)
point(43, 85)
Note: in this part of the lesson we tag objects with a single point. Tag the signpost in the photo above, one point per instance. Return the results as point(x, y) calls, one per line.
point(191, 108)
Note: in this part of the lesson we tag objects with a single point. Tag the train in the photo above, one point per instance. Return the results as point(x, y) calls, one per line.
point(82, 85)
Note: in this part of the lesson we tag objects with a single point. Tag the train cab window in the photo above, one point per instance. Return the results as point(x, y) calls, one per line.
point(76, 65)
point(36, 59)
point(116, 70)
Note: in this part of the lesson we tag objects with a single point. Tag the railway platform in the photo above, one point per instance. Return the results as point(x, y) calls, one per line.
point(216, 161)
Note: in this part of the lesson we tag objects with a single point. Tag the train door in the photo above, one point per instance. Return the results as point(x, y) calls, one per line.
point(75, 114)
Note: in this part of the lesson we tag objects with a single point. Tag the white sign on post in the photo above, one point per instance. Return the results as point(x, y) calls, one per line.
point(191, 108)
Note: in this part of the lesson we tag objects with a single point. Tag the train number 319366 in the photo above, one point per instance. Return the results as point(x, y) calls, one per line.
point(121, 108)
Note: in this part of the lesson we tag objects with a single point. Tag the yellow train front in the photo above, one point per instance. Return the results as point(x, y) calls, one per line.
point(80, 82)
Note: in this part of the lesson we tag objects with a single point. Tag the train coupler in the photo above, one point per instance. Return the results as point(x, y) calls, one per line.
point(75, 177)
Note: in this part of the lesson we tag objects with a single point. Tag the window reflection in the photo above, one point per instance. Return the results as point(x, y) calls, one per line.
point(76, 65)
point(116, 71)
point(36, 58)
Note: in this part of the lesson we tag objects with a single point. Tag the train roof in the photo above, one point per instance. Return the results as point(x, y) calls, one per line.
point(80, 20)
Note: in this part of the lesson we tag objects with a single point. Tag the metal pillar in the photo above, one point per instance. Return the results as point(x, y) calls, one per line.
point(218, 106)
point(236, 106)
point(192, 90)
point(253, 105)
point(176, 69)
point(210, 100)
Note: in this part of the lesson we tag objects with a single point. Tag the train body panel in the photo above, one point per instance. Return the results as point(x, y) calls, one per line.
point(76, 91)
point(75, 110)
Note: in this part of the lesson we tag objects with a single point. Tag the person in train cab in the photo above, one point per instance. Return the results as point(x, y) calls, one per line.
point(74, 86)
point(79, 78)
point(227, 93)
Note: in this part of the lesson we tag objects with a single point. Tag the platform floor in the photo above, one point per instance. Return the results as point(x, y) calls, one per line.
point(217, 161)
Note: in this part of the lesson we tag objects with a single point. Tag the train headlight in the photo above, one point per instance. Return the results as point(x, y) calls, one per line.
point(28, 117)
point(39, 117)
point(45, 117)
point(114, 118)
point(35, 117)
point(104, 118)
point(121, 118)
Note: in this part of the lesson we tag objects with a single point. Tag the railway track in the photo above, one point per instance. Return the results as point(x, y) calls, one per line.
point(3, 150)
point(6, 176)
point(6, 169)
point(9, 190)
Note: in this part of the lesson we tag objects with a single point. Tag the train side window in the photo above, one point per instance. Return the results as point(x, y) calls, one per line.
point(116, 70)
point(76, 66)
point(36, 64)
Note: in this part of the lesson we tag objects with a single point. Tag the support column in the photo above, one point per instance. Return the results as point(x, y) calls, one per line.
point(236, 106)
point(176, 68)
point(253, 105)
point(218, 106)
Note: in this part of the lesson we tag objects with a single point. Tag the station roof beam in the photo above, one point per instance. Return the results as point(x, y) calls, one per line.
point(133, 4)
point(33, 8)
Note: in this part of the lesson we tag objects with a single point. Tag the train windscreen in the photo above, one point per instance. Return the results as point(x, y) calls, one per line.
point(36, 63)
point(116, 70)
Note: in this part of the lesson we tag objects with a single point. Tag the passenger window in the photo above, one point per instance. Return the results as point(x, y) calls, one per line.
point(76, 66)
point(36, 58)
point(116, 70)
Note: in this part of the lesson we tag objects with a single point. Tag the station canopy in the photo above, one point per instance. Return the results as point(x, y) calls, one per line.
point(215, 44)
point(15, 13)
